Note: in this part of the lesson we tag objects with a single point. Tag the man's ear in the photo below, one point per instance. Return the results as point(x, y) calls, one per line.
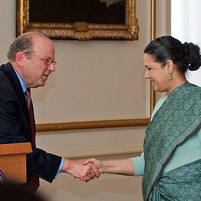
point(170, 66)
point(20, 58)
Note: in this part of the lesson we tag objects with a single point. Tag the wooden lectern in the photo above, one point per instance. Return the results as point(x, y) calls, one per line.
point(13, 161)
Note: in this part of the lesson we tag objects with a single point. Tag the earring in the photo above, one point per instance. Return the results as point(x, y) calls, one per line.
point(170, 77)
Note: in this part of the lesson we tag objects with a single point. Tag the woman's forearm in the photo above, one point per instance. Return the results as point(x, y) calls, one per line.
point(122, 167)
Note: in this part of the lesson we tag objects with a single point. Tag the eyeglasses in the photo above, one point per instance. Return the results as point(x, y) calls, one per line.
point(47, 61)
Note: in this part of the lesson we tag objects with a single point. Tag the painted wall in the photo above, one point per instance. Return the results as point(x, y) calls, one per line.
point(94, 80)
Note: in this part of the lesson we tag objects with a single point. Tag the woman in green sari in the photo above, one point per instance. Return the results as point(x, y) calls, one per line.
point(171, 160)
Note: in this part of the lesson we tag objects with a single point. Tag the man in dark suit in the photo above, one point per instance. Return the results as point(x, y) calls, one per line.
point(31, 60)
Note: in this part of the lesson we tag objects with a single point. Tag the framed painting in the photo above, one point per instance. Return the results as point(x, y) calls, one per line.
point(78, 19)
point(46, 126)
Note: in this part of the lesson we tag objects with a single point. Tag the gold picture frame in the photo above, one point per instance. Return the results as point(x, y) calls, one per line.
point(109, 123)
point(104, 123)
point(80, 30)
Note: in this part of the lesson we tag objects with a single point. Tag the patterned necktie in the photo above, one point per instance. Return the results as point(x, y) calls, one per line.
point(31, 116)
point(34, 181)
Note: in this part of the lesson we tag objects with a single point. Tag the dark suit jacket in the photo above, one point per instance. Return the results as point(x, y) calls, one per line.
point(15, 125)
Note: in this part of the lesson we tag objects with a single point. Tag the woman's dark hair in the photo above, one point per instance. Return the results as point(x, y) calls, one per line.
point(185, 56)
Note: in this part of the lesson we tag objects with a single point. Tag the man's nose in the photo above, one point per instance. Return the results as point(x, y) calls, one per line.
point(51, 67)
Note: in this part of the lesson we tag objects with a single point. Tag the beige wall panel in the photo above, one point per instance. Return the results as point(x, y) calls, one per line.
point(94, 80)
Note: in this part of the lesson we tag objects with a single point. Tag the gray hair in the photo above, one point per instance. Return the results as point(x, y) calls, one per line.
point(23, 43)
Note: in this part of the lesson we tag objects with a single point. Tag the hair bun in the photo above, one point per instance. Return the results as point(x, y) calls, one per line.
point(191, 56)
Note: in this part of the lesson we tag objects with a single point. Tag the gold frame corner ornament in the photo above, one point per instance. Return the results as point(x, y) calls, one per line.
point(127, 31)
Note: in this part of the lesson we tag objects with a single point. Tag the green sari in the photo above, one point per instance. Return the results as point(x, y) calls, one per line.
point(180, 184)
point(178, 119)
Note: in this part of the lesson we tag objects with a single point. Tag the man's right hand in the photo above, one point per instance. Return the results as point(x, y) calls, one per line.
point(79, 169)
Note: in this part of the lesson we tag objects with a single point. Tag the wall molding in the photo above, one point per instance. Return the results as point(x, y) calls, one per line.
point(104, 154)
point(92, 124)
point(152, 37)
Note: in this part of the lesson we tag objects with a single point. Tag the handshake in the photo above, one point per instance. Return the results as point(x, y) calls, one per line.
point(88, 169)
point(85, 170)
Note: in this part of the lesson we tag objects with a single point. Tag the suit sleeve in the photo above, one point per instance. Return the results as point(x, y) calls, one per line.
point(42, 164)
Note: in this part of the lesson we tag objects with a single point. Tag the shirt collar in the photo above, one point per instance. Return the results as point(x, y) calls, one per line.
point(24, 88)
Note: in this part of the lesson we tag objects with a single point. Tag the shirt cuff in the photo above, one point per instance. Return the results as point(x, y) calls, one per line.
point(61, 165)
